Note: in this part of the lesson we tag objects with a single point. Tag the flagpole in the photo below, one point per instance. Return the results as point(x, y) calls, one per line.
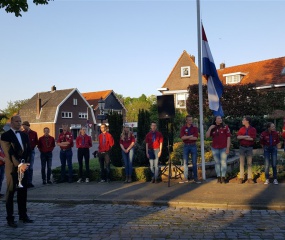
point(200, 91)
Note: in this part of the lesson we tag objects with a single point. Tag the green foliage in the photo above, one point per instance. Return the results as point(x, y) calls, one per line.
point(140, 158)
point(143, 125)
point(177, 154)
point(117, 173)
point(17, 6)
point(115, 128)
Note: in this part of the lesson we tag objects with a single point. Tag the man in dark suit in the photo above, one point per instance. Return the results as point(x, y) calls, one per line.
point(17, 150)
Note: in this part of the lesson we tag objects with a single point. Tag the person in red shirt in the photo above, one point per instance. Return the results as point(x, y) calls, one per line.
point(83, 143)
point(221, 137)
point(246, 136)
point(46, 145)
point(65, 142)
point(189, 136)
point(283, 132)
point(106, 142)
point(154, 141)
point(33, 137)
point(127, 142)
point(2, 169)
point(269, 140)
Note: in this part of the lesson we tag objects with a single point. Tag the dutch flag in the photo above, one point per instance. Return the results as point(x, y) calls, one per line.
point(209, 71)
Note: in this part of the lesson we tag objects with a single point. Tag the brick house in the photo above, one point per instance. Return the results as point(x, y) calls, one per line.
point(53, 108)
point(112, 104)
point(267, 75)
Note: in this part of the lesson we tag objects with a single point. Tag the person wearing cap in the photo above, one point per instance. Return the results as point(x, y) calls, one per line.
point(83, 143)
point(65, 142)
point(246, 136)
point(127, 142)
point(189, 136)
point(33, 137)
point(153, 142)
point(46, 146)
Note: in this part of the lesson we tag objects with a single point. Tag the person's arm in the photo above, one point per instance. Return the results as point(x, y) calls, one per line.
point(160, 149)
point(146, 148)
point(208, 133)
point(228, 145)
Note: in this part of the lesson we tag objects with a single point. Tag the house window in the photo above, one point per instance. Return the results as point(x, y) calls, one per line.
point(66, 114)
point(82, 115)
point(185, 71)
point(283, 72)
point(118, 111)
point(181, 100)
point(74, 101)
point(233, 79)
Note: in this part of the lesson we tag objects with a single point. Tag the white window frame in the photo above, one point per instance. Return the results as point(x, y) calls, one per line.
point(74, 101)
point(185, 71)
point(66, 114)
point(180, 97)
point(82, 115)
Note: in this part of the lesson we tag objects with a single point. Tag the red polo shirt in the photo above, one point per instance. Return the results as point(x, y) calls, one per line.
point(250, 131)
point(83, 141)
point(265, 138)
point(46, 144)
point(127, 141)
point(33, 137)
point(65, 137)
point(220, 136)
point(187, 131)
point(154, 141)
point(106, 141)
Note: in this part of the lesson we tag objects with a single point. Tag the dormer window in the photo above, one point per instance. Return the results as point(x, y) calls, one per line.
point(233, 78)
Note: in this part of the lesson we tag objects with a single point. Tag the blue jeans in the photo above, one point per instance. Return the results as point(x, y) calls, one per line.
point(31, 167)
point(46, 160)
point(66, 156)
point(190, 149)
point(154, 164)
point(220, 158)
point(270, 153)
point(2, 172)
point(128, 160)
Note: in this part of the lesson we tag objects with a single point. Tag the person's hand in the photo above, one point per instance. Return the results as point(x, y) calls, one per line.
point(24, 167)
point(212, 127)
point(147, 155)
point(159, 154)
point(227, 151)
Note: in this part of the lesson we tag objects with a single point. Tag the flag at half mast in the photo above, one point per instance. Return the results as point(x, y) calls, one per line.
point(214, 84)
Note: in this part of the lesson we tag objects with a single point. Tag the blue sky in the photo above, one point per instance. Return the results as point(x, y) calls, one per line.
point(128, 46)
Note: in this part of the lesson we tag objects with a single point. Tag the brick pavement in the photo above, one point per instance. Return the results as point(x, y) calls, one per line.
point(107, 221)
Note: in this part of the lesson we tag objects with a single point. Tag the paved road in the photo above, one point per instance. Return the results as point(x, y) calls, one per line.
point(91, 221)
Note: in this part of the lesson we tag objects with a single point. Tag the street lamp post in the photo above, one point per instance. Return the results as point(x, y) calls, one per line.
point(87, 119)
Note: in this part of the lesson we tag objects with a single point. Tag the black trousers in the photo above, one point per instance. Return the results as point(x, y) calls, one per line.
point(83, 152)
point(104, 160)
point(21, 196)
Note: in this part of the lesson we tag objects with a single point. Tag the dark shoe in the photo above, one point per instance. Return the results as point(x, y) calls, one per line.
point(197, 181)
point(30, 185)
point(12, 224)
point(49, 182)
point(250, 181)
point(219, 180)
point(1, 195)
point(26, 220)
point(44, 182)
point(152, 180)
point(240, 181)
point(223, 180)
point(156, 181)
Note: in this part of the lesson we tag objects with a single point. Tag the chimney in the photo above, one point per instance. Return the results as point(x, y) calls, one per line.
point(53, 88)
point(222, 65)
point(39, 105)
point(193, 58)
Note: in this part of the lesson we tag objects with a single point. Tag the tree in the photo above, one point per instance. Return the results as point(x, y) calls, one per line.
point(17, 6)
point(115, 121)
